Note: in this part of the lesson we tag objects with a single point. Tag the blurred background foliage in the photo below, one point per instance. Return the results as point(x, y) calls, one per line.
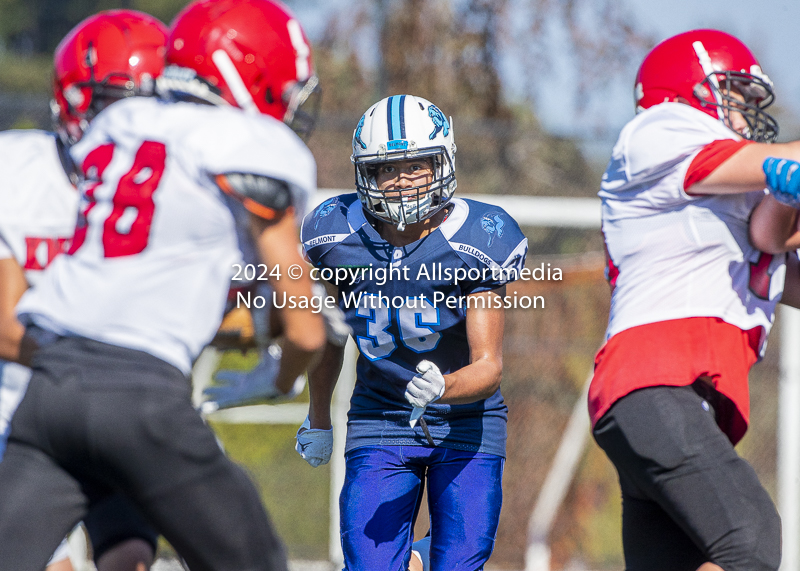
point(448, 51)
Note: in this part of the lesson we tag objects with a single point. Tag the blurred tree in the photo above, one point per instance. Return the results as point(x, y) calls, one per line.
point(452, 52)
point(36, 26)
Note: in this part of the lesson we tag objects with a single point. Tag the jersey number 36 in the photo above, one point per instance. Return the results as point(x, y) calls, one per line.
point(413, 321)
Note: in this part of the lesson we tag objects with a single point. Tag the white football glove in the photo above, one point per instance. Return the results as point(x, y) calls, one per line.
point(240, 388)
point(314, 444)
point(427, 387)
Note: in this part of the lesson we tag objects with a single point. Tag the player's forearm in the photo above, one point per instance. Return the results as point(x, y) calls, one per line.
point(279, 248)
point(477, 381)
point(774, 227)
point(12, 286)
point(322, 379)
point(11, 333)
point(481, 378)
point(791, 288)
point(294, 362)
point(743, 171)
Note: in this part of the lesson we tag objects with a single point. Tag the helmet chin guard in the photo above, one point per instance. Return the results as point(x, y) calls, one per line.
point(399, 128)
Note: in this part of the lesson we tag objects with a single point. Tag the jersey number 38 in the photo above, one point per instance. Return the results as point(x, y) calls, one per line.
point(126, 231)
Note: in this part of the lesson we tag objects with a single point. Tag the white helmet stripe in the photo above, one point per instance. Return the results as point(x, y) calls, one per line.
point(231, 76)
point(301, 47)
point(708, 69)
point(396, 117)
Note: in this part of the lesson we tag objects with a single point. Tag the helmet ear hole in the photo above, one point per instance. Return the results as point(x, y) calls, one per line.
point(268, 96)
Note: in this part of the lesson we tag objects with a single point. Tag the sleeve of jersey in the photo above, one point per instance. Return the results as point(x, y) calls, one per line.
point(325, 227)
point(260, 162)
point(663, 144)
point(496, 245)
point(709, 158)
point(5, 249)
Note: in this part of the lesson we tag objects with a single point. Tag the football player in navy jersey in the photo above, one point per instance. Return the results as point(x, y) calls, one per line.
point(421, 279)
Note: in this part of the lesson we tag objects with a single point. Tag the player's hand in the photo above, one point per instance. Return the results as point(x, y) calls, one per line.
point(783, 180)
point(240, 388)
point(427, 387)
point(314, 444)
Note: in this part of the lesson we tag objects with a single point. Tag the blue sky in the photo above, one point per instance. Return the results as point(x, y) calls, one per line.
point(771, 28)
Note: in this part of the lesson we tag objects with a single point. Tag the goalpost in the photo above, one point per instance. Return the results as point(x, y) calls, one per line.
point(578, 213)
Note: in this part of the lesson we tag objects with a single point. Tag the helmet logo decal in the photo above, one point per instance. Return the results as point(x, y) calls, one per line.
point(357, 136)
point(325, 209)
point(439, 122)
point(493, 225)
point(396, 117)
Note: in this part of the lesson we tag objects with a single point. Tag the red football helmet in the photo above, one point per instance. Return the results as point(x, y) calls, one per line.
point(108, 56)
point(701, 68)
point(252, 54)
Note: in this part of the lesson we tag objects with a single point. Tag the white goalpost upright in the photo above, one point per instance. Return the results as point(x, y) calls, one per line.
point(788, 469)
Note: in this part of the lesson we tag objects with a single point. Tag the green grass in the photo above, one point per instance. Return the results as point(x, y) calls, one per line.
point(295, 494)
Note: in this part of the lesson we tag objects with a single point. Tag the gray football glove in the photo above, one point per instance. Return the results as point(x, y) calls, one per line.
point(240, 388)
point(313, 444)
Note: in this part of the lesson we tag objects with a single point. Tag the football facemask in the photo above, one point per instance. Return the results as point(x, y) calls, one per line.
point(716, 91)
point(399, 128)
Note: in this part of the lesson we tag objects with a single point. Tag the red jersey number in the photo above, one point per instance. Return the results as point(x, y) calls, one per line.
point(93, 166)
point(135, 191)
point(126, 231)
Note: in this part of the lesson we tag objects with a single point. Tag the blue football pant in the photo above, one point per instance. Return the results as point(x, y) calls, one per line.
point(381, 496)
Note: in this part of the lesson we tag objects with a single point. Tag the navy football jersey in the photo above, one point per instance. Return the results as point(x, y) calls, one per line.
point(405, 304)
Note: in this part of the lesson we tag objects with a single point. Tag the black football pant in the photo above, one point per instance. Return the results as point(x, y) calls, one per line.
point(99, 419)
point(687, 496)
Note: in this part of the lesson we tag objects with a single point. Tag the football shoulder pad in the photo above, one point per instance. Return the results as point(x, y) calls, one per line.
point(490, 230)
point(329, 223)
point(264, 196)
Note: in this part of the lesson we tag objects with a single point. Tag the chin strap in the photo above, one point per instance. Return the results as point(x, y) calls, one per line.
point(402, 211)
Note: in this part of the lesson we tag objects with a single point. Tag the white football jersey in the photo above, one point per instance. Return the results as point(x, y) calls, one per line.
point(678, 255)
point(152, 267)
point(38, 205)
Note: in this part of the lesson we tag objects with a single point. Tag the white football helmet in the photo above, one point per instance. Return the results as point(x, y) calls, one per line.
point(399, 128)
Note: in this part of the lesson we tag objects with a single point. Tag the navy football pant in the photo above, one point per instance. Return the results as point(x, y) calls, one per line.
point(381, 495)
point(687, 496)
point(99, 419)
